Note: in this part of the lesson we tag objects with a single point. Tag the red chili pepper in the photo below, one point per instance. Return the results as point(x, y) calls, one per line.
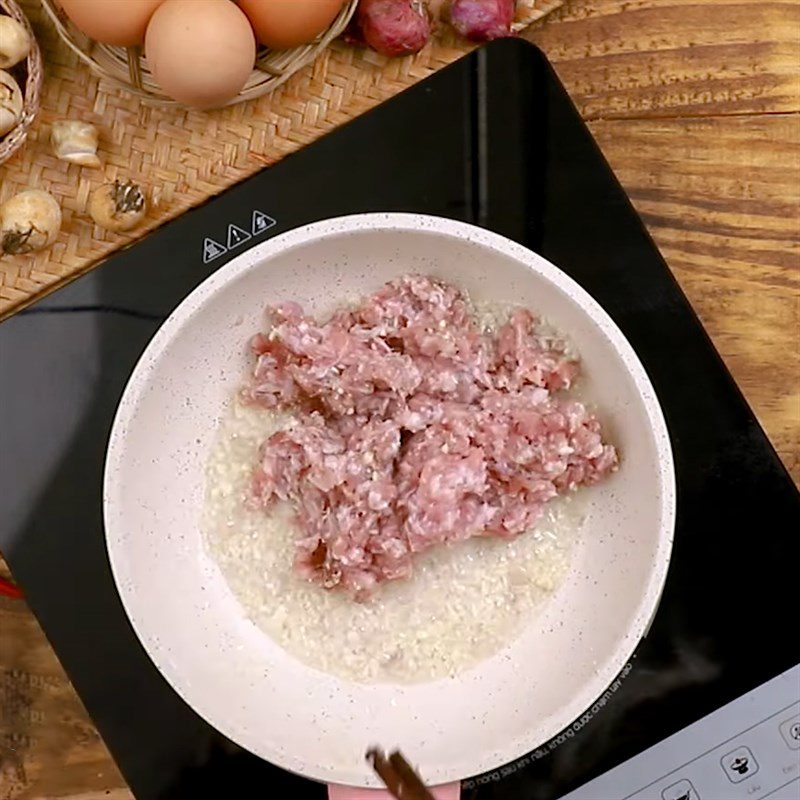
point(10, 589)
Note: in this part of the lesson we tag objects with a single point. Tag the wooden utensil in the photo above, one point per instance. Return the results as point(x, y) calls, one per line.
point(398, 775)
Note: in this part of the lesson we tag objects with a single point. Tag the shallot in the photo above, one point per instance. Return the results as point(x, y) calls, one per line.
point(482, 20)
point(29, 221)
point(75, 141)
point(15, 42)
point(118, 206)
point(11, 102)
point(394, 27)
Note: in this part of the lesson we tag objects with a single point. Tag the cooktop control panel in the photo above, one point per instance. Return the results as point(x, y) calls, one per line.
point(746, 750)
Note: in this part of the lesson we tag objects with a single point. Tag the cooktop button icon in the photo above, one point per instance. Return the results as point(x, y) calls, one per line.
point(682, 790)
point(739, 764)
point(790, 730)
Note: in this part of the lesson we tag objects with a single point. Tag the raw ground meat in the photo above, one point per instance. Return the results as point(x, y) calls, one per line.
point(413, 427)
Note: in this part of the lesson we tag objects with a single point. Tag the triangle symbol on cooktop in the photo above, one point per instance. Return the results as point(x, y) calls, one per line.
point(261, 222)
point(236, 236)
point(212, 250)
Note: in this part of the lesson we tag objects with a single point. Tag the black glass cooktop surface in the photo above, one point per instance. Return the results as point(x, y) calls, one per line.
point(493, 140)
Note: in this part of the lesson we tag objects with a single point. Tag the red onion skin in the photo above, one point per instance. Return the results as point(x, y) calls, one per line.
point(352, 33)
point(482, 20)
point(394, 27)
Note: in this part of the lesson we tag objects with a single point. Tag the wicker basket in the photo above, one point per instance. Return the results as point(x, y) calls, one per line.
point(28, 74)
point(126, 67)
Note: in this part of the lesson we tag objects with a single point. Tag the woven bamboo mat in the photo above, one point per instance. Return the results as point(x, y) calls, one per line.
point(183, 157)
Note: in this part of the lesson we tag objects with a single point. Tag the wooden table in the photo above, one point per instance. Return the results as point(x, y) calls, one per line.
point(696, 104)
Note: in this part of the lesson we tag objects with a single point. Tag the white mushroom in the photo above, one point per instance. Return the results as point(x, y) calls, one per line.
point(10, 102)
point(29, 221)
point(118, 206)
point(75, 141)
point(15, 42)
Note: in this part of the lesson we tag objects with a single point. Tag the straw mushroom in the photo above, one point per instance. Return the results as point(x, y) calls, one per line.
point(15, 42)
point(75, 141)
point(10, 103)
point(29, 221)
point(118, 206)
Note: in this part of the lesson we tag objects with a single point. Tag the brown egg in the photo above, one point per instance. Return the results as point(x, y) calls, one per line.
point(120, 22)
point(201, 52)
point(281, 24)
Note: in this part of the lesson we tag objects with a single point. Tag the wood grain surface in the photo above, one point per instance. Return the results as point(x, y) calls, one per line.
point(697, 108)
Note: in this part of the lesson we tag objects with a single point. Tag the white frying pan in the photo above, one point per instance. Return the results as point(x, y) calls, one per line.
point(242, 682)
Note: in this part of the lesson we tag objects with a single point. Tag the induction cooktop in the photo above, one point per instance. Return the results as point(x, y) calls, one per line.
point(708, 708)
